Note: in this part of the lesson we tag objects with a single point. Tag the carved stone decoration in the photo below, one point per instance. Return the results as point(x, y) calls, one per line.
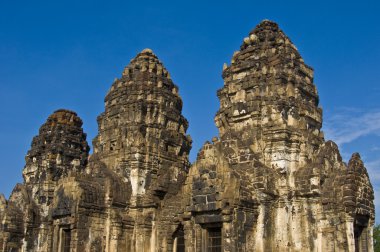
point(269, 182)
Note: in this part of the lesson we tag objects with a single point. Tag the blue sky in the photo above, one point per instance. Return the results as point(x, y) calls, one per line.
point(66, 54)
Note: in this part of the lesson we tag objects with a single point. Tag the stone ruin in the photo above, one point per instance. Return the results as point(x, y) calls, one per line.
point(269, 182)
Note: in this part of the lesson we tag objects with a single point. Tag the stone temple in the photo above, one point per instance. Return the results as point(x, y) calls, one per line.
point(269, 182)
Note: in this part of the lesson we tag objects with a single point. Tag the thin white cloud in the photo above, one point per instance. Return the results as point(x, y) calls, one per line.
point(375, 148)
point(348, 125)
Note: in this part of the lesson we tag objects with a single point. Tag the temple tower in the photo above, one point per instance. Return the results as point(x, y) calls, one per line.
point(59, 149)
point(269, 182)
point(142, 138)
point(269, 100)
point(142, 133)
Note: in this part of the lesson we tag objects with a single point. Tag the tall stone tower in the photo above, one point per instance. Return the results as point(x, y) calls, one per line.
point(269, 182)
point(142, 133)
point(58, 151)
point(270, 102)
point(142, 138)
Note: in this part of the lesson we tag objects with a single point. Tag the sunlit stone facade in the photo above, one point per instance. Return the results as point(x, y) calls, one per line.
point(269, 182)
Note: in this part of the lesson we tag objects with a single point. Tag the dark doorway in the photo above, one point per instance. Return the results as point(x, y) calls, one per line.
point(214, 240)
point(66, 240)
point(179, 237)
point(360, 234)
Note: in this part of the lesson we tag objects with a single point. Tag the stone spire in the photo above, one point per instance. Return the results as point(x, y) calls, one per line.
point(142, 133)
point(59, 149)
point(269, 182)
point(269, 95)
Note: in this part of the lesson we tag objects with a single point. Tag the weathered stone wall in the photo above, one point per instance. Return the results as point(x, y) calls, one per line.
point(142, 138)
point(269, 182)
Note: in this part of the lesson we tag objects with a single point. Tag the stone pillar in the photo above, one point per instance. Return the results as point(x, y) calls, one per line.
point(227, 241)
point(260, 229)
point(350, 234)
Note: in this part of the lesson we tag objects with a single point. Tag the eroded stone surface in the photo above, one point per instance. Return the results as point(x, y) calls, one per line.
point(269, 182)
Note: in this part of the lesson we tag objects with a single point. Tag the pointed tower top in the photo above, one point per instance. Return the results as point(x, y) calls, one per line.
point(263, 44)
point(355, 163)
point(147, 51)
point(146, 61)
point(268, 69)
point(60, 141)
point(64, 116)
point(268, 34)
point(142, 117)
point(266, 24)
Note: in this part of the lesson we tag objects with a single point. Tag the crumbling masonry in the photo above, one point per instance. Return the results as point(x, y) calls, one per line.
point(269, 182)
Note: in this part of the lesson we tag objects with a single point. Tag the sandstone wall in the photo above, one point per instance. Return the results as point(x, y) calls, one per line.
point(268, 182)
